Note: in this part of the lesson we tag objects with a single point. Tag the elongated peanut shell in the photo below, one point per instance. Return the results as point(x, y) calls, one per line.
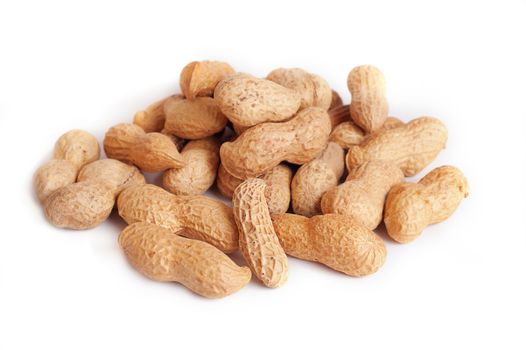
point(201, 78)
point(363, 194)
point(264, 146)
point(248, 101)
point(411, 147)
point(78, 147)
point(409, 208)
point(199, 173)
point(79, 206)
point(196, 217)
point(333, 240)
point(369, 106)
point(257, 240)
point(162, 256)
point(315, 178)
point(152, 118)
point(53, 175)
point(193, 119)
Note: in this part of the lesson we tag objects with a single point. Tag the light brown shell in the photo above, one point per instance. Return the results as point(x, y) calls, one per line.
point(336, 100)
point(201, 217)
point(53, 175)
point(338, 115)
point(347, 134)
point(247, 100)
point(151, 152)
point(264, 146)
point(193, 119)
point(369, 106)
point(315, 178)
point(409, 208)
point(314, 90)
point(78, 147)
point(257, 240)
point(333, 240)
point(201, 78)
point(199, 173)
point(411, 147)
point(162, 256)
point(152, 118)
point(79, 206)
point(363, 194)
point(115, 174)
point(277, 192)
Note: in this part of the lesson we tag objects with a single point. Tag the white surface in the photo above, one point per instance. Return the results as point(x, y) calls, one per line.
point(461, 285)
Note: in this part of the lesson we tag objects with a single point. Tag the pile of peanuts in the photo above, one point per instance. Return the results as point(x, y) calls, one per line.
point(278, 147)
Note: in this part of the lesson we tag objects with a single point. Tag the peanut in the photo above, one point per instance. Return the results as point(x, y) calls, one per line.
point(196, 217)
point(151, 152)
point(162, 256)
point(339, 115)
point(409, 207)
point(152, 118)
point(363, 194)
point(411, 147)
point(333, 240)
point(248, 101)
point(199, 79)
point(72, 150)
point(257, 240)
point(348, 134)
point(89, 202)
point(315, 178)
point(336, 100)
point(369, 106)
point(314, 90)
point(277, 192)
point(264, 146)
point(193, 119)
point(199, 173)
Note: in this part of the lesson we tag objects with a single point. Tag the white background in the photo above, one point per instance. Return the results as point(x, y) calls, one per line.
point(89, 66)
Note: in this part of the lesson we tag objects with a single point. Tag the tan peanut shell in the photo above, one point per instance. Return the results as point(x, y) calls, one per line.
point(248, 101)
point(264, 146)
point(336, 100)
point(347, 134)
point(53, 175)
point(314, 90)
point(162, 256)
point(193, 119)
point(151, 152)
point(315, 178)
point(410, 207)
point(196, 217)
point(200, 78)
point(77, 147)
point(152, 118)
point(257, 240)
point(362, 195)
point(115, 174)
point(333, 240)
point(277, 191)
point(411, 147)
point(369, 106)
point(338, 115)
point(199, 173)
point(80, 205)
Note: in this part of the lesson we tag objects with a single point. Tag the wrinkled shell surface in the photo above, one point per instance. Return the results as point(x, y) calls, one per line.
point(199, 173)
point(201, 78)
point(338, 115)
point(115, 174)
point(152, 118)
point(201, 217)
point(336, 100)
point(162, 256)
point(79, 206)
point(333, 240)
point(347, 134)
point(315, 178)
point(78, 147)
point(257, 240)
point(248, 101)
point(362, 196)
point(411, 147)
point(369, 106)
point(264, 146)
point(53, 175)
point(193, 119)
point(409, 208)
